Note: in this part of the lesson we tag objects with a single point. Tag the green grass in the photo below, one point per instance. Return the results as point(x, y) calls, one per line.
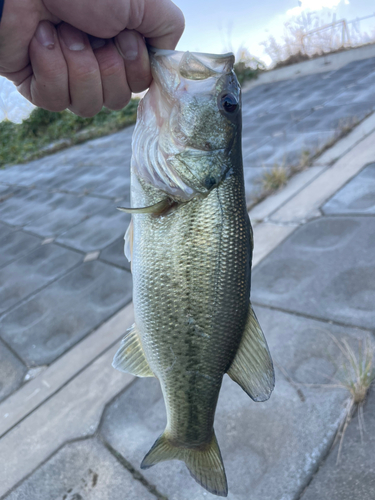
point(25, 141)
point(248, 70)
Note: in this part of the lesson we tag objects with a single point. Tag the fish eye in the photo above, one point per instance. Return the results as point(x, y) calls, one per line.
point(228, 103)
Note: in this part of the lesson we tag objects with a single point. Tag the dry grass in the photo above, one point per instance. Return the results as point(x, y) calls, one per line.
point(275, 179)
point(280, 174)
point(356, 374)
point(295, 46)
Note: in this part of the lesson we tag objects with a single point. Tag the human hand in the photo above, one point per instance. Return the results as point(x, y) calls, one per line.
point(62, 53)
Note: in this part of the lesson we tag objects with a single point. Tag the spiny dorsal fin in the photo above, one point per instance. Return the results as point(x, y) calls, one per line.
point(252, 368)
point(204, 462)
point(156, 209)
point(130, 358)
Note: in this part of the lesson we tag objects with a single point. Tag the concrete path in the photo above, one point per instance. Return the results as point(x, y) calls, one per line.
point(72, 428)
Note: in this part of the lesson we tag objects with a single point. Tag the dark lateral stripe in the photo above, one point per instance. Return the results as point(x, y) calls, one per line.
point(1, 8)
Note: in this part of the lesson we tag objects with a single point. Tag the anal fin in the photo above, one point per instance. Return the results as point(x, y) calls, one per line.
point(252, 368)
point(130, 358)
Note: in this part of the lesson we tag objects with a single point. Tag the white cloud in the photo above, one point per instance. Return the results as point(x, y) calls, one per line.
point(314, 5)
point(13, 106)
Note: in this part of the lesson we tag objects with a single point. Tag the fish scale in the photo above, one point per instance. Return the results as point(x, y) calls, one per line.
point(190, 243)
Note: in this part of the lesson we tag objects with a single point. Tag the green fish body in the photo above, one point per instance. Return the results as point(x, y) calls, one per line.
point(190, 244)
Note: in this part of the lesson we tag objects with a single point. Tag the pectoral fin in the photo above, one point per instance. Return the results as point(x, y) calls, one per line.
point(130, 358)
point(252, 368)
point(156, 209)
point(128, 248)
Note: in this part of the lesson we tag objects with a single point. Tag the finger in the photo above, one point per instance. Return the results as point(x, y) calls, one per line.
point(47, 87)
point(162, 22)
point(85, 86)
point(116, 91)
point(18, 24)
point(19, 76)
point(132, 47)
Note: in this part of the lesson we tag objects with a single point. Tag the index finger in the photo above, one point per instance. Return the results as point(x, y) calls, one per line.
point(160, 21)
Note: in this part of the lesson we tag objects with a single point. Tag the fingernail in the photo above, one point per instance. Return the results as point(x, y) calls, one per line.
point(72, 37)
point(45, 34)
point(127, 44)
point(96, 43)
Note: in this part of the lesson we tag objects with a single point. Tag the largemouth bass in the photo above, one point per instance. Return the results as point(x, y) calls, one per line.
point(190, 245)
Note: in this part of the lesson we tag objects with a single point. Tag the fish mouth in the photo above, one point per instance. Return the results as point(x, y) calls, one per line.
point(190, 65)
point(168, 52)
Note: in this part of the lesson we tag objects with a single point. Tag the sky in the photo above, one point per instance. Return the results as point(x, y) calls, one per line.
point(219, 26)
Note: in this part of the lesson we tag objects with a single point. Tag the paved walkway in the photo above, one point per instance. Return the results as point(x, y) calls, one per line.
point(73, 428)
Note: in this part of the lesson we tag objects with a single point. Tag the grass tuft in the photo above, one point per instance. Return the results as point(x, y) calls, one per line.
point(275, 179)
point(29, 139)
point(356, 374)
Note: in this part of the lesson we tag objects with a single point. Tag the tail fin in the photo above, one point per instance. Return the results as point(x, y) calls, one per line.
point(204, 463)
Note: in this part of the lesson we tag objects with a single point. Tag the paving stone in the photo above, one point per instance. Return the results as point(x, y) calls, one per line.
point(114, 254)
point(325, 269)
point(88, 179)
point(98, 231)
point(58, 176)
point(38, 268)
point(331, 118)
point(15, 244)
point(5, 230)
point(66, 211)
point(73, 413)
point(7, 192)
point(268, 449)
point(354, 476)
point(276, 200)
point(12, 371)
point(288, 149)
point(357, 197)
point(57, 317)
point(27, 205)
point(17, 175)
point(253, 177)
point(84, 470)
point(117, 187)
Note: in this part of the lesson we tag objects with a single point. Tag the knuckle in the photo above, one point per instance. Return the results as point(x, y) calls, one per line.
point(85, 73)
point(111, 66)
point(180, 24)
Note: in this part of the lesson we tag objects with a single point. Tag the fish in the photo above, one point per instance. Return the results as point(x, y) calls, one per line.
point(190, 244)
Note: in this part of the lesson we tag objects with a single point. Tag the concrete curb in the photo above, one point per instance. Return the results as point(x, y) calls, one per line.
point(33, 394)
point(306, 192)
point(329, 62)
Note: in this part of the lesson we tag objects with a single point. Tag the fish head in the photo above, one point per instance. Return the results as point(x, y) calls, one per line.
point(192, 115)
